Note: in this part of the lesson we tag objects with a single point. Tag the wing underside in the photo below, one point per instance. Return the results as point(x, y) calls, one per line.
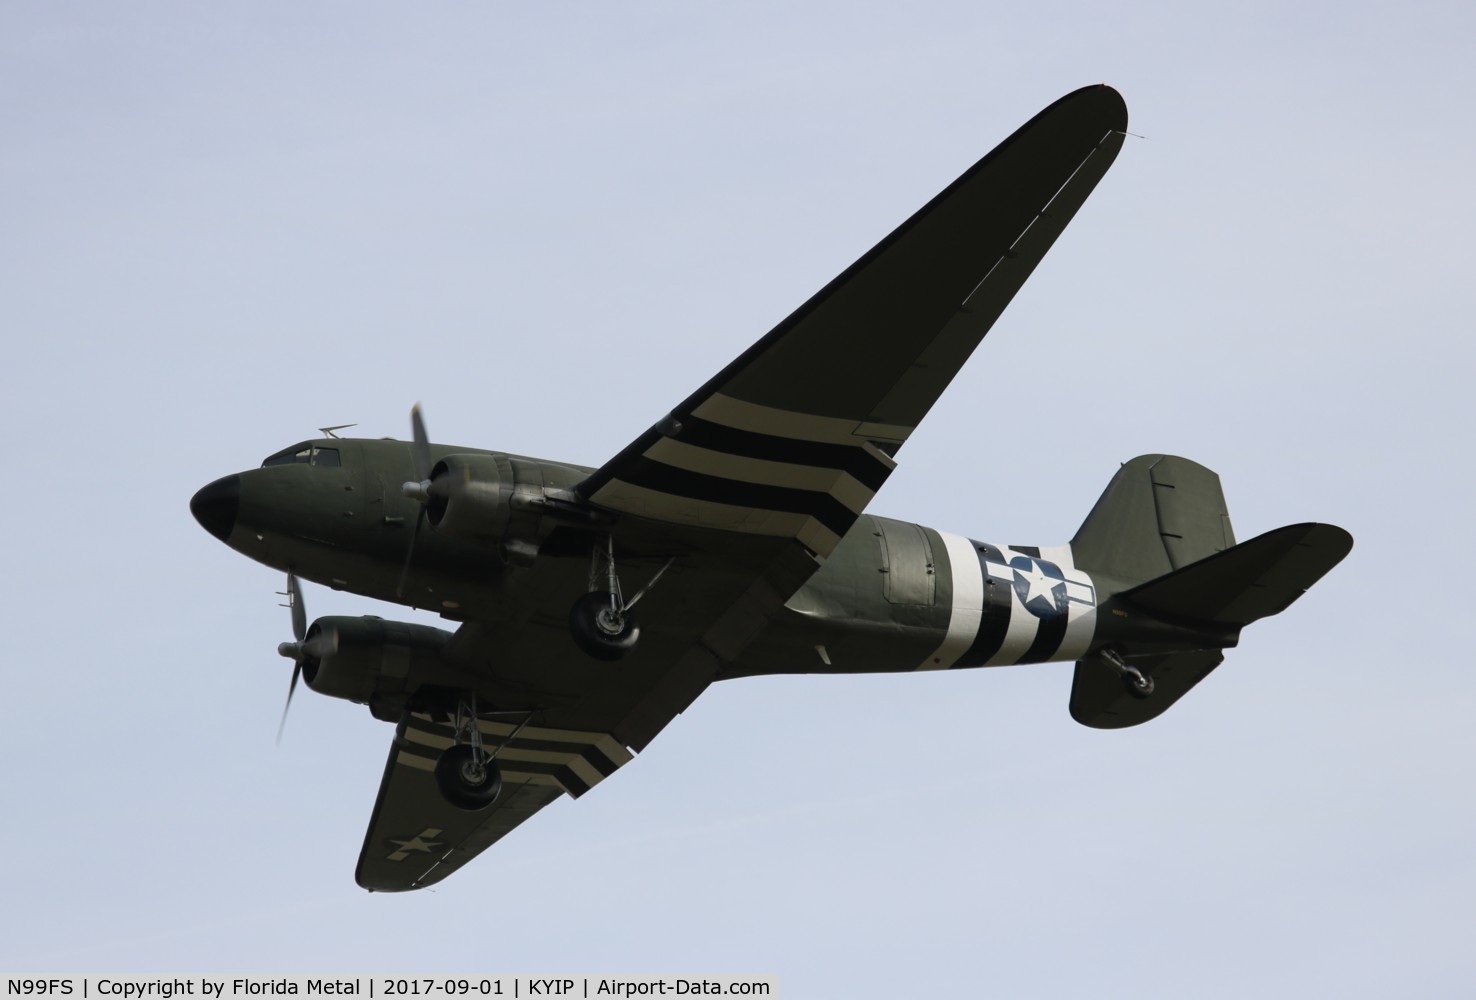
point(416, 838)
point(755, 478)
point(795, 436)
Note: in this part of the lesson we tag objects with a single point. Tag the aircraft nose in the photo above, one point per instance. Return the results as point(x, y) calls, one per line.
point(216, 505)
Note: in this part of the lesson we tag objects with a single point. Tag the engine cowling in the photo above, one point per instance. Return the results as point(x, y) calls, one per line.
point(471, 497)
point(377, 663)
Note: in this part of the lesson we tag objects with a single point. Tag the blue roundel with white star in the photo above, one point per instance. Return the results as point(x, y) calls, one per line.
point(1040, 585)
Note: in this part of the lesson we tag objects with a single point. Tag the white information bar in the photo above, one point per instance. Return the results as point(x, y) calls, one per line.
point(403, 987)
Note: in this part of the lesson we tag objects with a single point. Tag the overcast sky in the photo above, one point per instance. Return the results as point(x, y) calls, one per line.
point(225, 225)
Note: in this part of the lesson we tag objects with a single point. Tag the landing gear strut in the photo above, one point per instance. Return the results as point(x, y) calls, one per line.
point(465, 773)
point(1138, 684)
point(602, 622)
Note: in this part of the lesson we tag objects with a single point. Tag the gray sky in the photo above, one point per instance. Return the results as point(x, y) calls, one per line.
point(225, 225)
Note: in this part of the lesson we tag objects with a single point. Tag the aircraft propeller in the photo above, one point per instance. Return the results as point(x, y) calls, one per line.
point(302, 645)
point(420, 489)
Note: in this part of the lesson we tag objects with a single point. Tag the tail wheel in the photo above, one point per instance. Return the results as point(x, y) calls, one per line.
point(1139, 685)
point(600, 628)
point(466, 778)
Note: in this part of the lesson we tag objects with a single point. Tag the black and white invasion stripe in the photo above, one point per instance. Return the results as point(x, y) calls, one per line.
point(572, 760)
point(1014, 605)
point(744, 467)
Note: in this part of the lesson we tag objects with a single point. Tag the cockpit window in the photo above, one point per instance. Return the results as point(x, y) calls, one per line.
point(305, 454)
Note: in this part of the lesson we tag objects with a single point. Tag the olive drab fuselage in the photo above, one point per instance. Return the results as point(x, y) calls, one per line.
point(893, 596)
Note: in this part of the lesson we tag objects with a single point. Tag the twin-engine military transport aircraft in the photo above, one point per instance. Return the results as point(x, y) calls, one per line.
point(737, 524)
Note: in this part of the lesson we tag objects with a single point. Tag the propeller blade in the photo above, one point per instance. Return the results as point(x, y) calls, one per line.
point(294, 602)
point(420, 490)
point(420, 445)
point(409, 554)
point(296, 673)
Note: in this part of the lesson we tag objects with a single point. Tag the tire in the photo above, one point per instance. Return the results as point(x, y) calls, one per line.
point(596, 639)
point(457, 789)
point(1141, 693)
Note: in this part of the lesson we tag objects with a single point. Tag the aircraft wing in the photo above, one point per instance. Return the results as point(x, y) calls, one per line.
point(746, 485)
point(794, 437)
point(416, 838)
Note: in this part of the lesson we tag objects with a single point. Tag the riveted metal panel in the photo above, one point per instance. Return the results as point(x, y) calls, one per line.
point(907, 562)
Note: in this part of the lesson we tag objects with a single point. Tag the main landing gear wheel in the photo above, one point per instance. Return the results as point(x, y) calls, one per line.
point(602, 622)
point(601, 628)
point(466, 778)
point(465, 774)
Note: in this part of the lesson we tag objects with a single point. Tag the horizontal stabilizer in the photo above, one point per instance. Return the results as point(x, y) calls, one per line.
point(1249, 581)
point(1099, 698)
point(1220, 593)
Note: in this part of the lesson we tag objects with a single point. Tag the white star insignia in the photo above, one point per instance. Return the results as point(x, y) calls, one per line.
point(1040, 584)
point(418, 844)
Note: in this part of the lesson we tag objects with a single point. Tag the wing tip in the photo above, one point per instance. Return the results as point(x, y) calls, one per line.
point(1106, 101)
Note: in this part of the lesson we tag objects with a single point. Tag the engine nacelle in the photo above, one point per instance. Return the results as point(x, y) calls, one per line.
point(471, 497)
point(376, 662)
point(503, 502)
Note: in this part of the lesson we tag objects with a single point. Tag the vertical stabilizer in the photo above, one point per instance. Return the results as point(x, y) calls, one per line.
point(1159, 513)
